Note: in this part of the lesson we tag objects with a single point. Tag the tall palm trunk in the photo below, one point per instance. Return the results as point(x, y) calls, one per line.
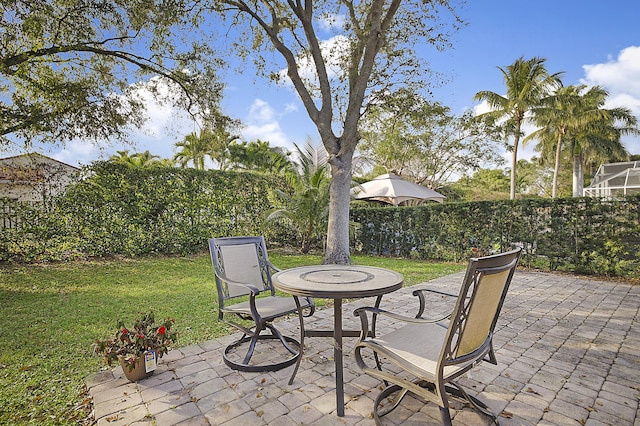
point(578, 175)
point(514, 161)
point(556, 169)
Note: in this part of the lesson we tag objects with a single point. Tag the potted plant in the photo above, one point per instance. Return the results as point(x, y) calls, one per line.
point(138, 348)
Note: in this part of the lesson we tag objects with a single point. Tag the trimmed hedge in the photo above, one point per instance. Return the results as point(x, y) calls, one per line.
point(583, 235)
point(129, 211)
point(122, 210)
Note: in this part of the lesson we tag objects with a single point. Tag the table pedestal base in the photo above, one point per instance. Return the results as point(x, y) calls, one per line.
point(337, 333)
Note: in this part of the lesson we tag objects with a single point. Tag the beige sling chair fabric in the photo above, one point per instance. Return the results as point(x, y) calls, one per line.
point(245, 290)
point(436, 352)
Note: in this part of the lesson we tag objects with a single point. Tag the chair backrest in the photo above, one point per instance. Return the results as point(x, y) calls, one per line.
point(485, 285)
point(240, 259)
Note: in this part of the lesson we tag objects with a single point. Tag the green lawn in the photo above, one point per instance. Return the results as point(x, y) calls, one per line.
point(51, 315)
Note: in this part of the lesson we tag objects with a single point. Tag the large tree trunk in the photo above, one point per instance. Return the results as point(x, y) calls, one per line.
point(578, 176)
point(337, 251)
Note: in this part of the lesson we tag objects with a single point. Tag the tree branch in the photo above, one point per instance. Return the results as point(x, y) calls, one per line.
point(137, 60)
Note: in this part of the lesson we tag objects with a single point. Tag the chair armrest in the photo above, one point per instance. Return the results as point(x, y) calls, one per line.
point(377, 311)
point(231, 283)
point(422, 299)
point(430, 290)
point(364, 321)
point(312, 305)
point(273, 267)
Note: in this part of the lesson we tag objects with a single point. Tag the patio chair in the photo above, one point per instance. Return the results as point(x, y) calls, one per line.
point(245, 291)
point(432, 354)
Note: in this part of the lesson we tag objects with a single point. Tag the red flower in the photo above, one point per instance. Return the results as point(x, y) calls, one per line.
point(125, 331)
point(162, 329)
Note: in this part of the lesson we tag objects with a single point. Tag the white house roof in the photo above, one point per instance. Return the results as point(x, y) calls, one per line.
point(31, 158)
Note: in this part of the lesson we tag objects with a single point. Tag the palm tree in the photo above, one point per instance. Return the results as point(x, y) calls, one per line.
point(527, 83)
point(600, 140)
point(307, 207)
point(145, 159)
point(194, 149)
point(121, 157)
point(219, 140)
point(562, 113)
point(259, 155)
point(577, 117)
point(139, 159)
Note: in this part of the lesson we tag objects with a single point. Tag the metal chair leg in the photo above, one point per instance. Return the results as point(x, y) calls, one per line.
point(301, 345)
point(280, 336)
point(385, 393)
point(253, 340)
point(445, 416)
point(457, 390)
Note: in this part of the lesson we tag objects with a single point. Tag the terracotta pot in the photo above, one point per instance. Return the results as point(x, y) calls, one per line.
point(138, 372)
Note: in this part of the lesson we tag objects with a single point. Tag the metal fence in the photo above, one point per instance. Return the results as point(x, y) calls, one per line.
point(12, 212)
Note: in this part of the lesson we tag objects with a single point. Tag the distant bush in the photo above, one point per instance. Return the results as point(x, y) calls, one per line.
point(122, 210)
point(584, 235)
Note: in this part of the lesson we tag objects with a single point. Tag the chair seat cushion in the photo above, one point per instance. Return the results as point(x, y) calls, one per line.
point(268, 307)
point(415, 347)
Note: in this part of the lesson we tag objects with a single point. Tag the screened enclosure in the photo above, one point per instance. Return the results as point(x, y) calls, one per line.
point(615, 179)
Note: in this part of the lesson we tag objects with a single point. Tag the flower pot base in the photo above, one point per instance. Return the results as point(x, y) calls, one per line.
point(138, 372)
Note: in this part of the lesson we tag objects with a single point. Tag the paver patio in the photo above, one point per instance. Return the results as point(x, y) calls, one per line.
point(568, 353)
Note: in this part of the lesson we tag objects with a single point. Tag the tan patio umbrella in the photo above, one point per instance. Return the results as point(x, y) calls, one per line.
point(392, 189)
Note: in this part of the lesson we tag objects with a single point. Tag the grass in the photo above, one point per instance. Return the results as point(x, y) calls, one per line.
point(51, 315)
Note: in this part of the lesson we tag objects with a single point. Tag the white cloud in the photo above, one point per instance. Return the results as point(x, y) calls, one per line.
point(332, 22)
point(158, 114)
point(621, 78)
point(290, 107)
point(261, 112)
point(626, 100)
point(164, 120)
point(262, 123)
point(77, 153)
point(334, 50)
point(618, 76)
point(481, 108)
point(165, 125)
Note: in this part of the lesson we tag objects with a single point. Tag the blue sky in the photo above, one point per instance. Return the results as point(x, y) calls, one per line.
point(591, 42)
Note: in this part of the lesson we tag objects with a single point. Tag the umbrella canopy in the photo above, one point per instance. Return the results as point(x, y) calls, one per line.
point(392, 189)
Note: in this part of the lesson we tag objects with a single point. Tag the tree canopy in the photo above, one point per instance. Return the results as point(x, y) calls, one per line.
point(574, 120)
point(484, 184)
point(527, 82)
point(140, 159)
point(73, 69)
point(259, 155)
point(421, 140)
point(340, 56)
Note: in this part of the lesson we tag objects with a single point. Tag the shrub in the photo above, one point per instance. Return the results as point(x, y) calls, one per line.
point(586, 235)
point(117, 209)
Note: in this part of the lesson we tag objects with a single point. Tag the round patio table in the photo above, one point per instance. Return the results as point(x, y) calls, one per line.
point(336, 282)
